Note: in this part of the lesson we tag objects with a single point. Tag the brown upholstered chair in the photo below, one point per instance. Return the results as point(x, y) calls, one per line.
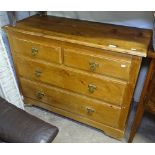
point(17, 126)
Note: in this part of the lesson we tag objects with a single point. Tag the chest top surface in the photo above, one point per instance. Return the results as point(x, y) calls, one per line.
point(134, 41)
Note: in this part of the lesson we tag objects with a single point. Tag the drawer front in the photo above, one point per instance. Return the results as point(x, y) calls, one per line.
point(105, 64)
point(89, 108)
point(37, 51)
point(99, 87)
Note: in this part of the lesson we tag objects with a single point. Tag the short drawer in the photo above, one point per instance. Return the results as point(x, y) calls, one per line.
point(28, 48)
point(95, 86)
point(89, 108)
point(106, 64)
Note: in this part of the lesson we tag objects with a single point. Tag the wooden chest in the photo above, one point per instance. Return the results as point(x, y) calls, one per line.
point(82, 70)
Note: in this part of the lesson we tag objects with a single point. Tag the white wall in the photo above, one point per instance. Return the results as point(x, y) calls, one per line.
point(3, 18)
point(141, 19)
point(8, 86)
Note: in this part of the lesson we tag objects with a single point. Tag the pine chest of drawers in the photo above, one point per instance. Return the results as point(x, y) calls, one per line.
point(82, 70)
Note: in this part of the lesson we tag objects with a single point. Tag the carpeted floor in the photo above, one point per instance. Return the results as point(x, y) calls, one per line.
point(74, 132)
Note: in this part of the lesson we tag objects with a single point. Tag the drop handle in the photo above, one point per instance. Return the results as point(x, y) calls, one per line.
point(40, 94)
point(92, 88)
point(90, 110)
point(37, 73)
point(93, 66)
point(34, 51)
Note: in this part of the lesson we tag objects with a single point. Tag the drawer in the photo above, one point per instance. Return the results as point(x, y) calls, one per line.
point(104, 63)
point(84, 106)
point(37, 51)
point(100, 87)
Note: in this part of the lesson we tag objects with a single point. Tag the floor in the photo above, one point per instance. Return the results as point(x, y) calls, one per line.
point(74, 132)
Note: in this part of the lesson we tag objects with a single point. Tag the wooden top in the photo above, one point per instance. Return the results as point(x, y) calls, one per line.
point(121, 39)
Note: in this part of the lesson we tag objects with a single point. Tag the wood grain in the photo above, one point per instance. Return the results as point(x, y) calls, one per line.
point(126, 40)
point(127, 98)
point(72, 79)
point(110, 65)
point(59, 78)
point(72, 102)
point(46, 53)
point(110, 131)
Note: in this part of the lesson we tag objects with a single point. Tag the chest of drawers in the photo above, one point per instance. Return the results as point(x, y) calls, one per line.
point(82, 70)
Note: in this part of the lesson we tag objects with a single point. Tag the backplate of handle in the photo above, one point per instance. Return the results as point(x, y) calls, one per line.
point(93, 66)
point(34, 51)
point(37, 72)
point(92, 88)
point(90, 110)
point(40, 94)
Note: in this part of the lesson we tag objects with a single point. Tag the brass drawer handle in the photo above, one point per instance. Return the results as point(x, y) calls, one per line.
point(34, 51)
point(37, 73)
point(40, 94)
point(91, 88)
point(93, 66)
point(89, 110)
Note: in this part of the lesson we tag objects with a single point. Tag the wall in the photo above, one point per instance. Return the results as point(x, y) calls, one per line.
point(3, 18)
point(140, 19)
point(8, 86)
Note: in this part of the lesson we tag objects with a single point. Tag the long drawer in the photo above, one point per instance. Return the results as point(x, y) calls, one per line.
point(115, 65)
point(32, 49)
point(72, 102)
point(100, 87)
